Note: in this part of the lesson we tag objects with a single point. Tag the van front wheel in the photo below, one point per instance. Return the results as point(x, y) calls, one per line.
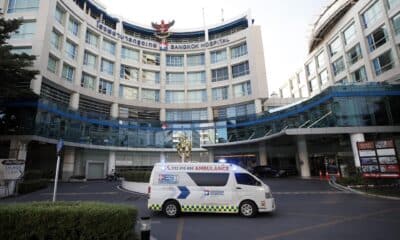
point(171, 209)
point(248, 209)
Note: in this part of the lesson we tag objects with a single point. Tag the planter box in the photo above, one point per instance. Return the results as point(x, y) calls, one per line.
point(138, 187)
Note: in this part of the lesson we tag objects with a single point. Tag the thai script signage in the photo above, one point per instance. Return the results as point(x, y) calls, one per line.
point(155, 45)
point(13, 169)
point(378, 159)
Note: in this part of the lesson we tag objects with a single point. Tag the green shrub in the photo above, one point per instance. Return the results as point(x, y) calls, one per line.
point(67, 220)
point(136, 176)
point(28, 186)
point(33, 175)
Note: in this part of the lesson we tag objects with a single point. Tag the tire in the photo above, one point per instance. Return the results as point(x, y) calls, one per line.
point(248, 209)
point(171, 209)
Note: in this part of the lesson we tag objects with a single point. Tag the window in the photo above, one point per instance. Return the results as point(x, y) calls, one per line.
point(195, 59)
point(174, 78)
point(68, 72)
point(243, 89)
point(321, 60)
point(92, 39)
point(15, 6)
point(373, 14)
point(129, 93)
point(175, 60)
point(219, 74)
point(218, 56)
point(25, 31)
point(323, 76)
point(246, 179)
point(220, 93)
point(240, 69)
point(52, 64)
point(107, 67)
point(196, 78)
point(396, 24)
point(55, 39)
point(197, 96)
point(209, 179)
point(360, 75)
point(151, 58)
point(334, 47)
point(383, 63)
point(377, 38)
point(130, 54)
point(393, 3)
point(21, 50)
point(71, 49)
point(310, 69)
point(73, 26)
point(186, 115)
point(108, 46)
point(174, 96)
point(349, 34)
point(151, 77)
point(354, 54)
point(129, 73)
point(105, 87)
point(88, 81)
point(150, 95)
point(59, 15)
point(239, 51)
point(338, 66)
point(90, 60)
point(314, 86)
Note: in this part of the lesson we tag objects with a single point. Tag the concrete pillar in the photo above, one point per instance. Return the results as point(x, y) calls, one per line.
point(74, 101)
point(210, 155)
point(114, 110)
point(162, 157)
point(18, 151)
point(210, 114)
point(354, 138)
point(262, 151)
point(163, 115)
point(258, 106)
point(36, 83)
point(111, 162)
point(303, 156)
point(68, 163)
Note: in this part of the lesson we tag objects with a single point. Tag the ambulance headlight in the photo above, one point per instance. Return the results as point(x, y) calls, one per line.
point(268, 195)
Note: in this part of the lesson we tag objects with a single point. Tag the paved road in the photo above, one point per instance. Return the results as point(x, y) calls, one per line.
point(306, 209)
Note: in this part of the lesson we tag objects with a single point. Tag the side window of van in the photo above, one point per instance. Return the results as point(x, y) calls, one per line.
point(246, 179)
point(209, 179)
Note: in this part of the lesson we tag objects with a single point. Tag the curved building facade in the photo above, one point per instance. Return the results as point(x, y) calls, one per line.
point(120, 99)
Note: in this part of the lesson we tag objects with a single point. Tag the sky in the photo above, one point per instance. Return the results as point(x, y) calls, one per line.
point(285, 24)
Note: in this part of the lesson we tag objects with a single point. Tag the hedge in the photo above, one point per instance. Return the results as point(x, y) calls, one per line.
point(136, 176)
point(28, 186)
point(67, 220)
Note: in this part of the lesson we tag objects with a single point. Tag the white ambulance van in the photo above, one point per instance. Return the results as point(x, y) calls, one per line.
point(207, 187)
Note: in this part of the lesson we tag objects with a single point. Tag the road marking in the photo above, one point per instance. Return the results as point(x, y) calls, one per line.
point(79, 193)
point(308, 192)
point(179, 231)
point(326, 224)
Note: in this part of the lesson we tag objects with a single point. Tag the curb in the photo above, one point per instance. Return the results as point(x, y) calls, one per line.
point(349, 189)
point(119, 187)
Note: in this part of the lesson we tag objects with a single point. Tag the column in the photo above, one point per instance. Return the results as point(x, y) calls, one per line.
point(162, 157)
point(114, 110)
point(111, 162)
point(68, 163)
point(163, 116)
point(210, 155)
point(258, 106)
point(303, 156)
point(36, 84)
point(74, 101)
point(354, 138)
point(262, 151)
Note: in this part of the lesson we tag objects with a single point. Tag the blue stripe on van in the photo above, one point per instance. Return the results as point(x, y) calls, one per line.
point(184, 192)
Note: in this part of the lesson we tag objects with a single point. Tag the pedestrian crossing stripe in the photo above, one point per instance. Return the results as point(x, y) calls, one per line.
point(201, 208)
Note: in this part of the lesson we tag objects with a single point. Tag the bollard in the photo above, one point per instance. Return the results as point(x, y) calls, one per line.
point(145, 226)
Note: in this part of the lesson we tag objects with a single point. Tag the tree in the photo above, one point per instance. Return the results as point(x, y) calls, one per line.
point(184, 147)
point(15, 69)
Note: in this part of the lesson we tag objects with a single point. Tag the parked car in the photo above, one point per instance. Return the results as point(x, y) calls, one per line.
point(268, 171)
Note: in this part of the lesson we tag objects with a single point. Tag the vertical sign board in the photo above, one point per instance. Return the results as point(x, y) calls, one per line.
point(378, 159)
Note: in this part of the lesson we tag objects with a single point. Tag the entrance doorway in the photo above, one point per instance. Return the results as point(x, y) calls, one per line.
point(95, 170)
point(247, 161)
